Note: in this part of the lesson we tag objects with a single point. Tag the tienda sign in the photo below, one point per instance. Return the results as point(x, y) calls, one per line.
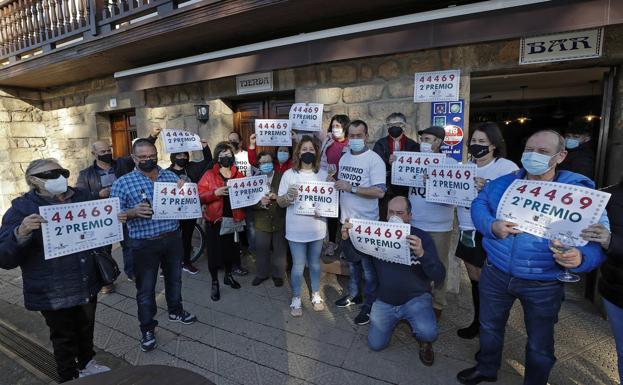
point(563, 46)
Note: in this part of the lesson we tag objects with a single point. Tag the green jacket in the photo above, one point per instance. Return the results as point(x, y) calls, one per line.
point(273, 219)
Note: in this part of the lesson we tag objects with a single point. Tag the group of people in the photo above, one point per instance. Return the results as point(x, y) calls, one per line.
point(503, 263)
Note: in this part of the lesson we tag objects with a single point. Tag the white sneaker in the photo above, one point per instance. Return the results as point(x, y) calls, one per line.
point(295, 307)
point(92, 368)
point(317, 302)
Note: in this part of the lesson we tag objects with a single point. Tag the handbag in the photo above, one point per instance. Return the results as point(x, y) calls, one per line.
point(228, 226)
point(107, 268)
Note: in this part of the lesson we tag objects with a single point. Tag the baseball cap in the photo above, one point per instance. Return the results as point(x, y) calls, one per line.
point(435, 131)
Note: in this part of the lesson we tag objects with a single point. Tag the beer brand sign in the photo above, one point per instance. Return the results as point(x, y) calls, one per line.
point(563, 46)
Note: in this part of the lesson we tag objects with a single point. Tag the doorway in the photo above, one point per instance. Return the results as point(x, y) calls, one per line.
point(123, 131)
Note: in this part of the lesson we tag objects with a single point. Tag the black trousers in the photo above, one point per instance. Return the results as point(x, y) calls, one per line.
point(223, 251)
point(188, 228)
point(71, 333)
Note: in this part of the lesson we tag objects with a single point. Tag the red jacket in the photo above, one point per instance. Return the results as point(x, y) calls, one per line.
point(281, 168)
point(212, 205)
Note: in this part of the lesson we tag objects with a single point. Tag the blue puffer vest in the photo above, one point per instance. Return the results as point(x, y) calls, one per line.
point(526, 256)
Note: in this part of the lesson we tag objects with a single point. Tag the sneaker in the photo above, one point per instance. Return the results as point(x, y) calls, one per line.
point(148, 342)
point(186, 318)
point(295, 307)
point(347, 300)
point(363, 318)
point(278, 281)
point(189, 268)
point(317, 302)
point(240, 271)
point(92, 368)
point(331, 247)
point(107, 289)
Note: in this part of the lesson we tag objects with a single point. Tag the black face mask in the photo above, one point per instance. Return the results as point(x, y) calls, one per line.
point(106, 158)
point(478, 150)
point(182, 162)
point(235, 144)
point(308, 158)
point(147, 165)
point(395, 132)
point(226, 161)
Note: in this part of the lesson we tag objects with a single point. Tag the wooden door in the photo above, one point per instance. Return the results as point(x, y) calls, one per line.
point(123, 131)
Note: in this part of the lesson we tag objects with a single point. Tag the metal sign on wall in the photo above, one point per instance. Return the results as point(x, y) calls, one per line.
point(563, 46)
point(254, 83)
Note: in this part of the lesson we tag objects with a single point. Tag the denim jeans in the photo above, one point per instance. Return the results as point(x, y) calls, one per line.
point(148, 256)
point(305, 252)
point(359, 263)
point(615, 317)
point(540, 300)
point(418, 312)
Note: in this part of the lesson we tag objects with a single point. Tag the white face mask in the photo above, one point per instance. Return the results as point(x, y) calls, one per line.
point(338, 133)
point(56, 186)
point(426, 147)
point(395, 219)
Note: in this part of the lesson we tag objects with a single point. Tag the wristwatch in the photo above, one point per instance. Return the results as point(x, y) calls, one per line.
point(353, 189)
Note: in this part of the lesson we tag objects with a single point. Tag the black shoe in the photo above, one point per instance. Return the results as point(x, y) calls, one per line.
point(258, 280)
point(216, 292)
point(240, 271)
point(469, 332)
point(230, 281)
point(148, 342)
point(278, 282)
point(427, 355)
point(472, 376)
point(347, 300)
point(185, 317)
point(363, 318)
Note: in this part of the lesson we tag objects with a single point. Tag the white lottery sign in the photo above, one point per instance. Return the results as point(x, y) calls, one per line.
point(273, 132)
point(176, 140)
point(550, 209)
point(306, 116)
point(172, 202)
point(408, 168)
point(242, 163)
point(439, 86)
point(317, 196)
point(247, 191)
point(451, 184)
point(75, 227)
point(386, 241)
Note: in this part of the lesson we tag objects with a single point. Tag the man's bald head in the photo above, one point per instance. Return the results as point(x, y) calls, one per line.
point(101, 147)
point(546, 142)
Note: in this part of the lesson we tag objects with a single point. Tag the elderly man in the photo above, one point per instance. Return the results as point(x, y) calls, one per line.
point(404, 292)
point(153, 243)
point(521, 266)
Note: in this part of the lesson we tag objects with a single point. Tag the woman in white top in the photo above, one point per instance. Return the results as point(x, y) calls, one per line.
point(304, 233)
point(487, 150)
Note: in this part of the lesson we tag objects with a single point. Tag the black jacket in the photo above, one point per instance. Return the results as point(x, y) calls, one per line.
point(611, 282)
point(52, 284)
point(195, 170)
point(381, 147)
point(581, 160)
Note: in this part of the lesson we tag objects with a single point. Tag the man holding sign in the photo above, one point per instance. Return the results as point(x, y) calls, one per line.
point(522, 266)
point(404, 290)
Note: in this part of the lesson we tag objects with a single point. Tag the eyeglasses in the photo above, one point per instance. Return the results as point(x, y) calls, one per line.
point(52, 174)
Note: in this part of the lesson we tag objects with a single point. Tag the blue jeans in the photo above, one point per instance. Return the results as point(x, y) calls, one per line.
point(305, 252)
point(615, 316)
point(148, 256)
point(359, 263)
point(541, 301)
point(418, 312)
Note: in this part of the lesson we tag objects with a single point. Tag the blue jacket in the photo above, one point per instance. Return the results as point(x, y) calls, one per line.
point(52, 284)
point(524, 255)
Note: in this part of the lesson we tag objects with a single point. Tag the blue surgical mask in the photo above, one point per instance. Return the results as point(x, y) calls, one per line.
point(266, 168)
point(283, 156)
point(572, 143)
point(535, 163)
point(356, 145)
point(426, 147)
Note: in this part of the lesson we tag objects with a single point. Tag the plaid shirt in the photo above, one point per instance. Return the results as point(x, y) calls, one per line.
point(128, 190)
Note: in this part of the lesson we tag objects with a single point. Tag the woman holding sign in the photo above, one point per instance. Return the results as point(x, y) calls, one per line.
point(304, 233)
point(213, 192)
point(487, 149)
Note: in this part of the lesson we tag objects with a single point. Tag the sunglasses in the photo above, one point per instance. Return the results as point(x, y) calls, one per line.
point(53, 174)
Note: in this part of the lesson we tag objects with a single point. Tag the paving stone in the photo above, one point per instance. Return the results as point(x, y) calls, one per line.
point(236, 368)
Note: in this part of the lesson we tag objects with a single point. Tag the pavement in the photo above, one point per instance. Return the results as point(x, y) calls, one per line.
point(249, 337)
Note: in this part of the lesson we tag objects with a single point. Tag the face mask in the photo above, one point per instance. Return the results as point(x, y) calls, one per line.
point(571, 143)
point(395, 132)
point(283, 156)
point(226, 161)
point(235, 144)
point(478, 150)
point(338, 133)
point(147, 165)
point(106, 158)
point(356, 145)
point(182, 162)
point(308, 157)
point(266, 168)
point(395, 219)
point(56, 186)
point(535, 163)
point(426, 147)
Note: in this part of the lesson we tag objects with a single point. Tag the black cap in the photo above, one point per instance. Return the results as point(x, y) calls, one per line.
point(435, 131)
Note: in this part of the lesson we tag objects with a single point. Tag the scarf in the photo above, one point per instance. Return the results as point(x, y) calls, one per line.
point(392, 143)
